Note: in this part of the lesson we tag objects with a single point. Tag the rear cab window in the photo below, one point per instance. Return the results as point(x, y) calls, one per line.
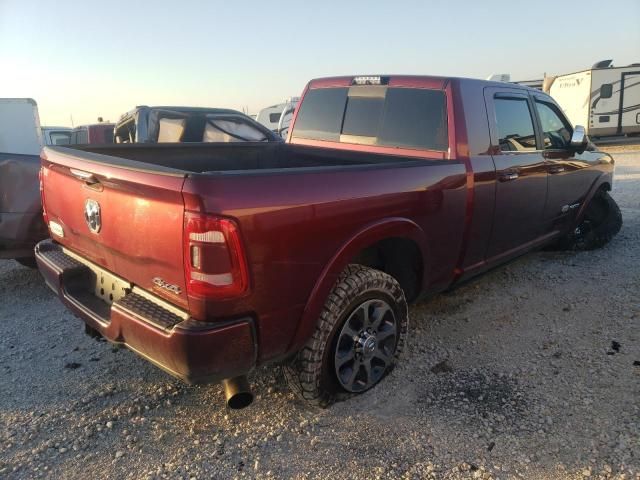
point(380, 115)
point(60, 138)
point(80, 136)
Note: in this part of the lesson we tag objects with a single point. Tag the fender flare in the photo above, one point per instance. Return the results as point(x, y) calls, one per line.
point(395, 227)
point(604, 179)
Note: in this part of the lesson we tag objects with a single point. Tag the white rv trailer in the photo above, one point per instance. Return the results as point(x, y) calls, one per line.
point(278, 117)
point(604, 99)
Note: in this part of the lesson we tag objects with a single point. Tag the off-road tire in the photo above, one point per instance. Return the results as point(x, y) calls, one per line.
point(310, 374)
point(602, 221)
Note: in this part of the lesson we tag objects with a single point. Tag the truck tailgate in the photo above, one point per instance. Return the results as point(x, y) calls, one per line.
point(138, 232)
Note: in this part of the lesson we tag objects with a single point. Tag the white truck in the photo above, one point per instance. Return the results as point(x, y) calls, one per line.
point(605, 99)
point(56, 135)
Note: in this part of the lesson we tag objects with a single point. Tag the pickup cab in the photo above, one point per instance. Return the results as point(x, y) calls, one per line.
point(210, 259)
point(94, 134)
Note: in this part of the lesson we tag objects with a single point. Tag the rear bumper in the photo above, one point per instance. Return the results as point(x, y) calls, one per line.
point(191, 350)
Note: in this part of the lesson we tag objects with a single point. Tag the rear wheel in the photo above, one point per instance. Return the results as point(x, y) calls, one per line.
point(601, 222)
point(357, 341)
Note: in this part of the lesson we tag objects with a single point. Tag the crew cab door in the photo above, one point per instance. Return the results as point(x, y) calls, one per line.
point(569, 175)
point(521, 186)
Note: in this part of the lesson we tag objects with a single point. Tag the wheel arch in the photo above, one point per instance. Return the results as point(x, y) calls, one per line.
point(386, 233)
point(602, 182)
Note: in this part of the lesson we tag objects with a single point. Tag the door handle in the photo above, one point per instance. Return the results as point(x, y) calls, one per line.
point(556, 169)
point(508, 176)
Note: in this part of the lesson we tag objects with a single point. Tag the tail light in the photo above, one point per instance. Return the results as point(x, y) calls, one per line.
point(41, 182)
point(215, 264)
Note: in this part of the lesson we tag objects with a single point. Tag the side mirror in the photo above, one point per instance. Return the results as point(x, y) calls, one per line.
point(579, 139)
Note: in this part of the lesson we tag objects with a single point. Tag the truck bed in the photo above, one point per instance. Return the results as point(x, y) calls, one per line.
point(228, 158)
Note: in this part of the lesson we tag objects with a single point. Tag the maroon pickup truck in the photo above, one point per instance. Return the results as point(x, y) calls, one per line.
point(210, 259)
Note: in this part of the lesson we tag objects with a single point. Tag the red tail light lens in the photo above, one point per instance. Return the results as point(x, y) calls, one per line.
point(215, 264)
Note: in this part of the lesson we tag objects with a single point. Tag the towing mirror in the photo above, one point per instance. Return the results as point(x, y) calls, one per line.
point(579, 139)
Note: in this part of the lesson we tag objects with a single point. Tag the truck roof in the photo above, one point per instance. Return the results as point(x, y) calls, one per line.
point(416, 81)
point(99, 124)
point(180, 109)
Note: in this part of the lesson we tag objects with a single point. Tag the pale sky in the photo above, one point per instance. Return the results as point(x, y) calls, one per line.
point(87, 58)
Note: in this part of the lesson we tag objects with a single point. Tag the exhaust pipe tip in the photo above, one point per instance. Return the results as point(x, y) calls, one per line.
point(237, 392)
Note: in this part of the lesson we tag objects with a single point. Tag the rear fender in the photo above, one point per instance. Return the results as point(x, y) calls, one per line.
point(369, 235)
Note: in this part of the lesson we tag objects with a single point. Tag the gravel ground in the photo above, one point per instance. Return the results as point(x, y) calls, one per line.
point(531, 371)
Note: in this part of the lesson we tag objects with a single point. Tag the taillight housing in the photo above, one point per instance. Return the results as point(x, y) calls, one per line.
point(214, 260)
point(41, 182)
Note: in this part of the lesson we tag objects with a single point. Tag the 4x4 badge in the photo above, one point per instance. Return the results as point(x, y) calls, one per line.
point(167, 286)
point(92, 215)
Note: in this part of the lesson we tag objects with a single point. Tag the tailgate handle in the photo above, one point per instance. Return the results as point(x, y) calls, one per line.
point(84, 176)
point(508, 176)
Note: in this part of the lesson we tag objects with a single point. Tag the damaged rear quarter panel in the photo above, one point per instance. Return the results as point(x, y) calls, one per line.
point(21, 223)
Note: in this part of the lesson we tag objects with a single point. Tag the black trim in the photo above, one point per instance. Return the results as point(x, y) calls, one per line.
point(403, 163)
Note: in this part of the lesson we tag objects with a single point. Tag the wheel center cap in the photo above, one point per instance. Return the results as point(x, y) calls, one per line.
point(368, 344)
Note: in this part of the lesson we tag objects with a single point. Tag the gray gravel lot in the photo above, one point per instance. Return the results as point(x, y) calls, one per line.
point(527, 372)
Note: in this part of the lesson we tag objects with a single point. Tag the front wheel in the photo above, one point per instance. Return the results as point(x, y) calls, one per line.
point(601, 222)
point(358, 339)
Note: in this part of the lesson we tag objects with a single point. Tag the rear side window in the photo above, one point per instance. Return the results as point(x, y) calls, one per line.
point(394, 117)
point(60, 138)
point(515, 125)
point(80, 137)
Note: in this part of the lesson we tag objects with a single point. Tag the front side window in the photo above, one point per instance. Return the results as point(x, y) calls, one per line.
point(556, 133)
point(515, 125)
point(393, 117)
